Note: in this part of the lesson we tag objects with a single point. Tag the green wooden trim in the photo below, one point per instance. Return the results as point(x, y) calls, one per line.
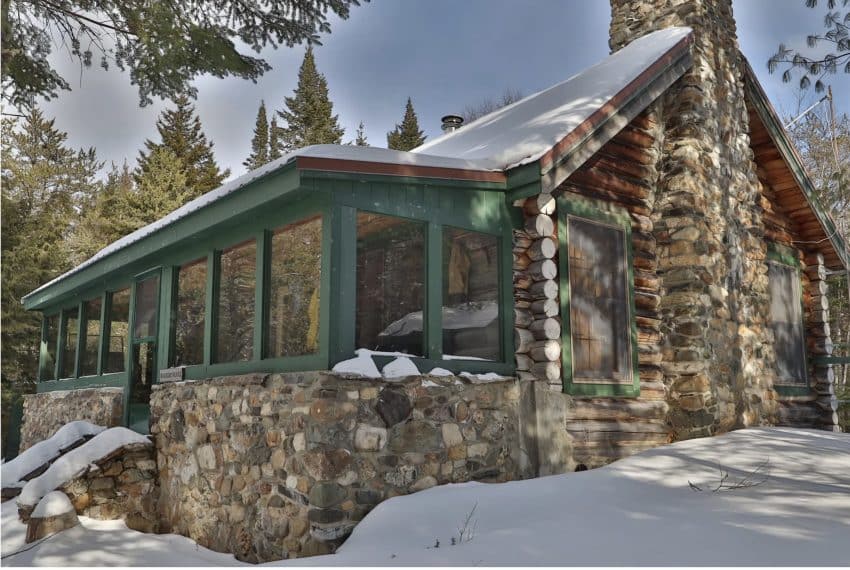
point(113, 380)
point(261, 293)
point(791, 390)
point(433, 310)
point(165, 318)
point(827, 360)
point(618, 218)
point(326, 295)
point(783, 254)
point(344, 282)
point(403, 180)
point(209, 307)
point(506, 296)
point(101, 342)
point(77, 351)
point(524, 181)
point(305, 362)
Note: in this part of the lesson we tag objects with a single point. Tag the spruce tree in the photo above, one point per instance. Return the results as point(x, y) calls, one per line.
point(260, 141)
point(275, 146)
point(181, 132)
point(407, 135)
point(105, 219)
point(163, 188)
point(308, 114)
point(42, 182)
point(360, 139)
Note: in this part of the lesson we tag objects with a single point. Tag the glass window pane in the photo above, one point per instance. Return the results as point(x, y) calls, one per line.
point(69, 343)
point(599, 315)
point(786, 320)
point(236, 286)
point(147, 295)
point(144, 369)
point(48, 355)
point(118, 324)
point(88, 357)
point(390, 283)
point(189, 317)
point(470, 295)
point(296, 266)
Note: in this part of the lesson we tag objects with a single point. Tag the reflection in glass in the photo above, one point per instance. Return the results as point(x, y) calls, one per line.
point(51, 338)
point(88, 357)
point(599, 310)
point(470, 295)
point(69, 343)
point(236, 287)
point(390, 283)
point(189, 313)
point(117, 323)
point(147, 293)
point(786, 320)
point(296, 265)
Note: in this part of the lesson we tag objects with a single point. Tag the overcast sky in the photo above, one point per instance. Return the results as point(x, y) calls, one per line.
point(444, 54)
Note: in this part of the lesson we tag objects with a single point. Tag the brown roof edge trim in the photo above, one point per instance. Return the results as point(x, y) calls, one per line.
point(791, 156)
point(604, 112)
point(391, 169)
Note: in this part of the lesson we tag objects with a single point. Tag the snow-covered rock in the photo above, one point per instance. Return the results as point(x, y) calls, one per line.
point(53, 504)
point(43, 452)
point(401, 367)
point(77, 461)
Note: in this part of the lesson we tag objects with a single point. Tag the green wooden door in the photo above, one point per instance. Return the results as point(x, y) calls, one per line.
point(143, 361)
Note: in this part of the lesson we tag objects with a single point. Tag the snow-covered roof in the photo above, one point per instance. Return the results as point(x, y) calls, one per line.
point(522, 132)
point(514, 135)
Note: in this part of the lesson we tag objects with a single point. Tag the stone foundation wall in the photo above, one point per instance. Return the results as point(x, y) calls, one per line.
point(122, 485)
point(284, 465)
point(46, 412)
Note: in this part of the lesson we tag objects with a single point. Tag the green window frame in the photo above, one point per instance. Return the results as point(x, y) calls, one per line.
point(345, 265)
point(782, 255)
point(43, 350)
point(618, 219)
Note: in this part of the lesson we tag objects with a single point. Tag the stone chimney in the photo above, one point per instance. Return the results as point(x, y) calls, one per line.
point(717, 350)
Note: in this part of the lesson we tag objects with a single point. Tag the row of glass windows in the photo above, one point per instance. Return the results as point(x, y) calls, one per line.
point(390, 301)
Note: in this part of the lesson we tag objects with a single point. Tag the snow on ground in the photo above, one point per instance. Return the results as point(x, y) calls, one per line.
point(637, 511)
point(45, 451)
point(101, 543)
point(53, 504)
point(76, 461)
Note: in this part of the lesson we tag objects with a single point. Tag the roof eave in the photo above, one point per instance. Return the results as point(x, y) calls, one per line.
point(591, 135)
point(789, 154)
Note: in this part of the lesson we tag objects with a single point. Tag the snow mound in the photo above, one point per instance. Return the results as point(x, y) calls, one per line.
point(77, 461)
point(53, 504)
point(360, 365)
point(440, 372)
point(45, 451)
point(401, 367)
point(636, 511)
point(484, 378)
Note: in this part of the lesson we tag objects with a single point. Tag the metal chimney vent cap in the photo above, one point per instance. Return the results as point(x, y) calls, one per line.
point(451, 123)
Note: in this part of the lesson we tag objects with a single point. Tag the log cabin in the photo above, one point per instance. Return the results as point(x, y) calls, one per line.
point(632, 257)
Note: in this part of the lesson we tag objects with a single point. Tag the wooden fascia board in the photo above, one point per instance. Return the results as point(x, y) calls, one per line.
point(792, 159)
point(238, 202)
point(589, 137)
point(319, 164)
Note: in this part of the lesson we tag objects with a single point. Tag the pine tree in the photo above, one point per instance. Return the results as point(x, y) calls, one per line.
point(275, 146)
point(42, 181)
point(163, 188)
point(260, 141)
point(181, 132)
point(360, 139)
point(105, 220)
point(407, 135)
point(309, 112)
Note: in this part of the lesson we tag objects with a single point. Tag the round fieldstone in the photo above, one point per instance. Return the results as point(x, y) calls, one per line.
point(393, 406)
